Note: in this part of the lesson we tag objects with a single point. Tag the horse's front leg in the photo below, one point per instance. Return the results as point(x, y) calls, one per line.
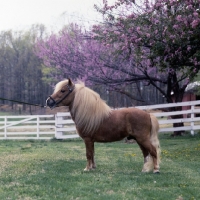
point(89, 144)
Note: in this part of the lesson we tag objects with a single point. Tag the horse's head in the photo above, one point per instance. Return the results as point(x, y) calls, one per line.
point(63, 94)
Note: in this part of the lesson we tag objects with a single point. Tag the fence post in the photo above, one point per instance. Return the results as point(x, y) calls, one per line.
point(5, 129)
point(38, 128)
point(58, 125)
point(192, 120)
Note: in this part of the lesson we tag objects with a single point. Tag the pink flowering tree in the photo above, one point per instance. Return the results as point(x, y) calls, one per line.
point(160, 37)
point(77, 54)
point(156, 42)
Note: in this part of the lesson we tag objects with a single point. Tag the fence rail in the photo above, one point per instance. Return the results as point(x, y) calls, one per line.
point(61, 126)
point(65, 126)
point(27, 127)
point(190, 116)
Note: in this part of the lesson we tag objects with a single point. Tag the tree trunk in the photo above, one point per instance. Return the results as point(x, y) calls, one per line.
point(175, 95)
point(180, 124)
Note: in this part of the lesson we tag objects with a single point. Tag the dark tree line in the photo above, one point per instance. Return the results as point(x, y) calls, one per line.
point(21, 76)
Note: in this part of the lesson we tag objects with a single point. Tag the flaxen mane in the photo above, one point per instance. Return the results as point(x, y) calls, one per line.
point(90, 109)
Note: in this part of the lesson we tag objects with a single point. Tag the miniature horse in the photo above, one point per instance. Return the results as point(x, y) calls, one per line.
point(96, 122)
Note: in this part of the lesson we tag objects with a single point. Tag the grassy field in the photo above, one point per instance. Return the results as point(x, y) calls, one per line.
point(54, 170)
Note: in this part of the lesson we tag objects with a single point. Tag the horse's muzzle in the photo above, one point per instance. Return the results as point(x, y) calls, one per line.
point(50, 103)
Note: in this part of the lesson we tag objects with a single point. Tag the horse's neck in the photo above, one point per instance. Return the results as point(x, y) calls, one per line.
point(71, 113)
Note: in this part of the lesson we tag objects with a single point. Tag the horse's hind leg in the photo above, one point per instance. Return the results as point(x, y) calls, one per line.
point(89, 144)
point(152, 154)
point(145, 152)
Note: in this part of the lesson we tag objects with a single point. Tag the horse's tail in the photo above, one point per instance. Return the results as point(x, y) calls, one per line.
point(154, 136)
point(148, 166)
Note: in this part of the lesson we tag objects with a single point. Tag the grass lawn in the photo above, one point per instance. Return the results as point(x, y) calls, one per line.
point(54, 170)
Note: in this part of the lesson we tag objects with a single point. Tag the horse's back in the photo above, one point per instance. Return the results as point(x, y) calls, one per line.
point(140, 120)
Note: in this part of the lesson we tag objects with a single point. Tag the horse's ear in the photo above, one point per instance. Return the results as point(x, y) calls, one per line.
point(70, 82)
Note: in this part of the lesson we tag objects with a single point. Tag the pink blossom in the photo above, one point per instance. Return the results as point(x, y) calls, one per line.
point(148, 35)
point(138, 28)
point(188, 48)
point(195, 23)
point(189, 6)
point(138, 40)
point(195, 14)
point(175, 26)
point(179, 18)
point(172, 36)
point(157, 5)
point(122, 36)
point(123, 48)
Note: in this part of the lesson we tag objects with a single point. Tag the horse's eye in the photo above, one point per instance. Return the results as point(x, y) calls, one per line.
point(62, 91)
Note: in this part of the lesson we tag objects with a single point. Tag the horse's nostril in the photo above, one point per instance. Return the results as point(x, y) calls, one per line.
point(49, 102)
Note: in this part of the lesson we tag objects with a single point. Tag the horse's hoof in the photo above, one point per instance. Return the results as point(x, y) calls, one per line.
point(156, 172)
point(87, 170)
point(145, 170)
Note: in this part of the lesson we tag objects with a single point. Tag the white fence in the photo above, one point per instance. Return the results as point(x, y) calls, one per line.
point(191, 122)
point(27, 127)
point(65, 126)
point(61, 125)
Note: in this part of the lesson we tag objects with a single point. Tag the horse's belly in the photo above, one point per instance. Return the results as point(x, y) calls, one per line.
point(122, 123)
point(110, 132)
point(109, 137)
